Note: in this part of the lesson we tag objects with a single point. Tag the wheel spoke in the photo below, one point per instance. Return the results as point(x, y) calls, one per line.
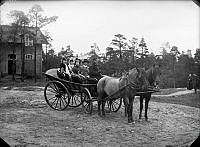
point(50, 90)
point(53, 88)
point(75, 101)
point(53, 102)
point(86, 106)
point(72, 100)
point(79, 101)
point(57, 103)
point(116, 103)
point(60, 103)
point(114, 106)
point(64, 99)
point(51, 98)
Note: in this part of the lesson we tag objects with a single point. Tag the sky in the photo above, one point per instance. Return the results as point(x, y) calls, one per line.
point(80, 24)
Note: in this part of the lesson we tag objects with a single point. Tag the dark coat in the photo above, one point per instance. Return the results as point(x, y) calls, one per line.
point(94, 71)
point(76, 69)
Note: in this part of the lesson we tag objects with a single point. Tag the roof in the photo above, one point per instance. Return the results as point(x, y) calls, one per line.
point(6, 32)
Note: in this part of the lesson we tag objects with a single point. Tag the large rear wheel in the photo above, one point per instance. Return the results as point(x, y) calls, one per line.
point(56, 95)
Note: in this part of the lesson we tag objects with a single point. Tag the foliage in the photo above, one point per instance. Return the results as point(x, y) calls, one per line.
point(66, 52)
point(36, 18)
point(142, 51)
point(197, 56)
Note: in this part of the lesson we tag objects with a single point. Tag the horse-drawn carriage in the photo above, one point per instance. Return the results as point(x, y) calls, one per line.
point(59, 94)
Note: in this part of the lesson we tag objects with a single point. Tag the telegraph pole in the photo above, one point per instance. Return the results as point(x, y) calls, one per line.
point(22, 55)
point(35, 49)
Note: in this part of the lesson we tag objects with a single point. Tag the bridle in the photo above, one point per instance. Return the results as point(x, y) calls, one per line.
point(129, 82)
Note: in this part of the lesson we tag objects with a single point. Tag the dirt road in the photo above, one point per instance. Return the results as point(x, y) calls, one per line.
point(25, 119)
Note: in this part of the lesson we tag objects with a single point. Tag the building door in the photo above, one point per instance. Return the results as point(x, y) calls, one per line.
point(11, 63)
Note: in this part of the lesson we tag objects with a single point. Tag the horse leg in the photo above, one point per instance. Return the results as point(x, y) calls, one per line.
point(141, 105)
point(99, 107)
point(131, 107)
point(99, 101)
point(147, 99)
point(125, 106)
point(130, 110)
point(103, 106)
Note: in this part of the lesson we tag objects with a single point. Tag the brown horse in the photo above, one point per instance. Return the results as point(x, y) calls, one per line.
point(193, 82)
point(121, 87)
point(153, 76)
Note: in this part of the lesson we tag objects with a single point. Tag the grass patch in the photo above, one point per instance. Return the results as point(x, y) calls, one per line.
point(191, 99)
point(18, 83)
point(169, 91)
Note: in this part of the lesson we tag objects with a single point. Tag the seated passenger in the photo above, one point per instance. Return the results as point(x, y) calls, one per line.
point(76, 72)
point(63, 72)
point(71, 65)
point(85, 68)
point(94, 70)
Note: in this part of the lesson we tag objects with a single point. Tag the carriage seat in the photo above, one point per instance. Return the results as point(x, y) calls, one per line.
point(63, 76)
point(77, 78)
point(92, 80)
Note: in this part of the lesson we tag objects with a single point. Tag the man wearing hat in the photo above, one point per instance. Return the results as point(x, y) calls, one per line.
point(76, 69)
point(94, 70)
point(76, 72)
point(85, 68)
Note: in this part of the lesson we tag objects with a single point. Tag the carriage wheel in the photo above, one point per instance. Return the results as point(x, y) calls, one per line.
point(87, 101)
point(56, 95)
point(114, 105)
point(75, 100)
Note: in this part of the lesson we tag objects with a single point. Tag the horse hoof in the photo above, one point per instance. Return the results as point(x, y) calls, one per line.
point(146, 118)
point(130, 121)
point(103, 115)
point(140, 116)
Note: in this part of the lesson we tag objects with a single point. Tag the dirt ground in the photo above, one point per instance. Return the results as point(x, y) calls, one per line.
point(26, 120)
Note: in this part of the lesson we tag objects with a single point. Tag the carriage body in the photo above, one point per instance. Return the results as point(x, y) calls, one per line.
point(71, 86)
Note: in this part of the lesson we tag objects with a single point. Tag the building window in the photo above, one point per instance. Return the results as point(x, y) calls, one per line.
point(11, 56)
point(28, 57)
point(27, 40)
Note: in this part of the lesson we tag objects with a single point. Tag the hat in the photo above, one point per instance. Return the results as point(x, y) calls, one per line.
point(64, 59)
point(71, 60)
point(85, 60)
point(77, 59)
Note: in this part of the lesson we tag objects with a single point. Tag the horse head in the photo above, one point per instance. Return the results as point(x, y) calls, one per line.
point(138, 77)
point(154, 75)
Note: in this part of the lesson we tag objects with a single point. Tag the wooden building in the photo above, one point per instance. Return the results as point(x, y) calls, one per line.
point(15, 42)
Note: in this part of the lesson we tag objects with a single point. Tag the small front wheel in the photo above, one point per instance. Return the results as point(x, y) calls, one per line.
point(114, 105)
point(87, 101)
point(75, 100)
